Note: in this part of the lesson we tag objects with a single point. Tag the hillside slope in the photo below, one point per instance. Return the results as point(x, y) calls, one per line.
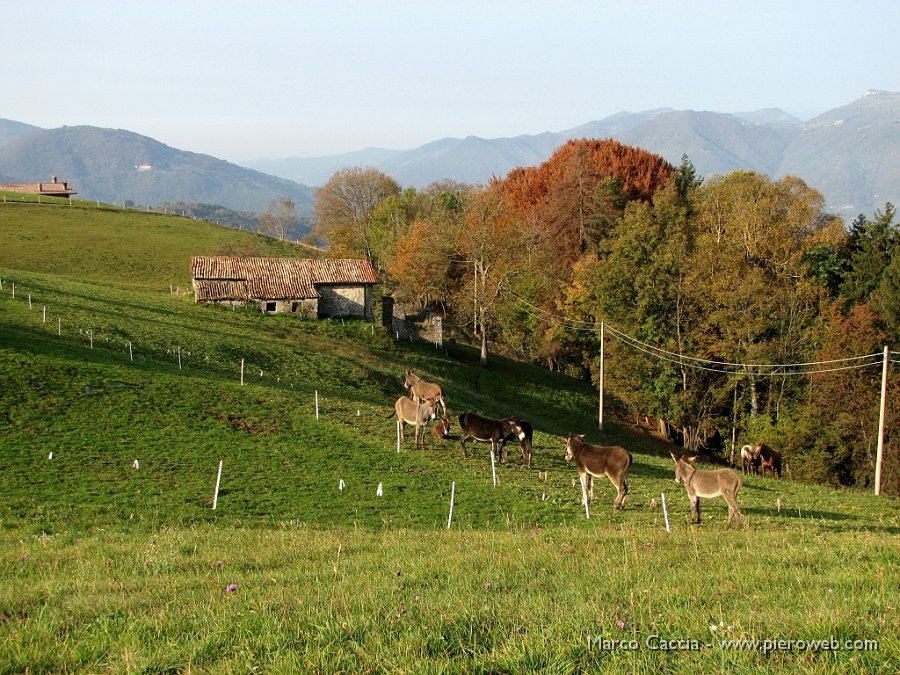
point(115, 166)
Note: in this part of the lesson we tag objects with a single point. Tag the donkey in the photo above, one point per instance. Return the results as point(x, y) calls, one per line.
point(612, 461)
point(723, 483)
point(767, 459)
point(749, 463)
point(486, 429)
point(441, 429)
point(524, 434)
point(422, 391)
point(410, 412)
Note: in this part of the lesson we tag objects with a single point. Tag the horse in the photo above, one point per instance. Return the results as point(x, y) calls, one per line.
point(612, 461)
point(767, 460)
point(424, 391)
point(723, 483)
point(749, 464)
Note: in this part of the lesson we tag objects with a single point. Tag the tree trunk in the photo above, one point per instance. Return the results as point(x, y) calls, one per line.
point(484, 353)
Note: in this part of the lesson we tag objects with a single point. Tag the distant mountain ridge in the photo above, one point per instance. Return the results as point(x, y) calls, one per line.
point(851, 154)
point(114, 165)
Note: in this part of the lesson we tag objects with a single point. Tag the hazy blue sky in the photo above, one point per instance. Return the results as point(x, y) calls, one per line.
point(256, 78)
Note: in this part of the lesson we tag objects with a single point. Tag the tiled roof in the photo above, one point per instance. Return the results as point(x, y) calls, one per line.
point(233, 278)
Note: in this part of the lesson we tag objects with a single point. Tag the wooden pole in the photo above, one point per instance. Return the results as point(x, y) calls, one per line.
point(58, 326)
point(242, 372)
point(600, 418)
point(45, 314)
point(218, 480)
point(130, 353)
point(317, 404)
point(880, 454)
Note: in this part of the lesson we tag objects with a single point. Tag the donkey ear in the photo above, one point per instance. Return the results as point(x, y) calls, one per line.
point(580, 437)
point(694, 458)
point(674, 457)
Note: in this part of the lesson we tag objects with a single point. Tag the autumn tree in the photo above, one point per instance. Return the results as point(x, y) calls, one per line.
point(344, 208)
point(420, 263)
point(580, 191)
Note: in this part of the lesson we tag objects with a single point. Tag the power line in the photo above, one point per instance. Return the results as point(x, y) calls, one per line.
point(694, 362)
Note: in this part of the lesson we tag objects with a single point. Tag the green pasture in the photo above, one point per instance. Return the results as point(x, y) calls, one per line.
point(113, 560)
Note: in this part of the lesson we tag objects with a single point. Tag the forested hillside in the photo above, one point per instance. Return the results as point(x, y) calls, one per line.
point(736, 308)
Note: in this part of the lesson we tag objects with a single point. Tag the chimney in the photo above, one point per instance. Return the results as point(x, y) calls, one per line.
point(54, 179)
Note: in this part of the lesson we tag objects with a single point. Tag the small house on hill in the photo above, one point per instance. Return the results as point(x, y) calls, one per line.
point(52, 189)
point(311, 288)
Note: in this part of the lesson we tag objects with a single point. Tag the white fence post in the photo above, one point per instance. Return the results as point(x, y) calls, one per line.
point(665, 512)
point(584, 497)
point(452, 496)
point(218, 479)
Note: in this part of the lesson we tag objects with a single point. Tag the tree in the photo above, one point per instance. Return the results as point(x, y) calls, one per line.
point(279, 218)
point(344, 209)
point(872, 245)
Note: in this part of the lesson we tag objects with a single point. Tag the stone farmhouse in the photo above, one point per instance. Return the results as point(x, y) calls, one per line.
point(309, 288)
point(52, 189)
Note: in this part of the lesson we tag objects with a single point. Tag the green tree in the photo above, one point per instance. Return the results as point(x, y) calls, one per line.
point(872, 244)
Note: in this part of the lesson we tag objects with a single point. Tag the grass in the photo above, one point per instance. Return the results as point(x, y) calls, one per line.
point(105, 567)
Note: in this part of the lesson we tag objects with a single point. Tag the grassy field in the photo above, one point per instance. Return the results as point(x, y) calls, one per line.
point(112, 559)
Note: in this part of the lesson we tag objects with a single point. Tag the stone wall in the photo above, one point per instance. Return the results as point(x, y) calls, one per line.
point(425, 325)
point(345, 301)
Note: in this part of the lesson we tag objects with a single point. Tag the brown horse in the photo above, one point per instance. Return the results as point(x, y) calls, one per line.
point(767, 459)
point(592, 461)
point(723, 483)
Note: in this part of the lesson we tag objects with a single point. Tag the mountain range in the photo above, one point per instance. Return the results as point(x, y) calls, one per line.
point(851, 154)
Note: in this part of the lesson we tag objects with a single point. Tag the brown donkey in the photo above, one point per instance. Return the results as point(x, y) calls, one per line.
point(723, 483)
point(417, 414)
point(613, 461)
point(422, 391)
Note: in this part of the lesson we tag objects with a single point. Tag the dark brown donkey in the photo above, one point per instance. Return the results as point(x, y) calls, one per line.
point(613, 461)
point(723, 483)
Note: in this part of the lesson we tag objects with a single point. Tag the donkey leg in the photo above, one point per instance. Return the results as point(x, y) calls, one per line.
point(733, 511)
point(695, 510)
point(623, 491)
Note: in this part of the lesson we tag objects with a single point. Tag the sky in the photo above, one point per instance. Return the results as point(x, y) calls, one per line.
point(244, 80)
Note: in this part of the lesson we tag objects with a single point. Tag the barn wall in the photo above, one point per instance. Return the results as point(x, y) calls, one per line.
point(305, 308)
point(345, 301)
